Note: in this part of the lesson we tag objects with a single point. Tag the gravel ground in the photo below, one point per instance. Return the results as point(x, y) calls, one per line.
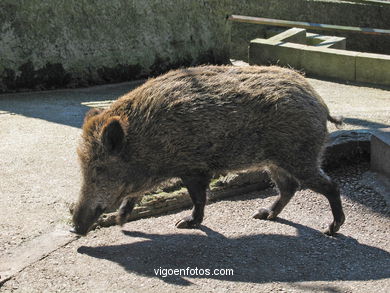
point(39, 171)
point(40, 177)
point(286, 255)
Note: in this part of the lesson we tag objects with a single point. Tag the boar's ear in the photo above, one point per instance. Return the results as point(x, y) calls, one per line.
point(92, 112)
point(113, 135)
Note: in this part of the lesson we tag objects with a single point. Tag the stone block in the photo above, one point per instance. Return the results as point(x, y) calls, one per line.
point(285, 54)
point(292, 35)
point(334, 42)
point(373, 68)
point(345, 147)
point(380, 152)
point(326, 41)
point(334, 63)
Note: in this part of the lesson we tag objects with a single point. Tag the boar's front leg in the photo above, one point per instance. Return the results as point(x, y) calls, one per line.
point(125, 209)
point(196, 186)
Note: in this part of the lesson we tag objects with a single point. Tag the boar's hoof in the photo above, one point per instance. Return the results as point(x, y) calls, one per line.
point(333, 228)
point(187, 223)
point(73, 230)
point(263, 214)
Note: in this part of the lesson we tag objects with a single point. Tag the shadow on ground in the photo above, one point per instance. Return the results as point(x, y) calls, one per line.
point(309, 256)
point(65, 107)
point(364, 123)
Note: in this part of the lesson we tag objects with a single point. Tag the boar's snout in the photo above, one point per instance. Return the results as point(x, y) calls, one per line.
point(84, 217)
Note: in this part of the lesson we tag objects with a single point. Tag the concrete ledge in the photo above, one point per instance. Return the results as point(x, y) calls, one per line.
point(325, 58)
point(326, 41)
point(347, 147)
point(335, 43)
point(328, 62)
point(292, 35)
point(284, 54)
point(314, 60)
point(273, 50)
point(380, 152)
point(374, 68)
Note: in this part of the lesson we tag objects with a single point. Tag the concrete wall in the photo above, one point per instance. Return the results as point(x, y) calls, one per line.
point(66, 43)
point(361, 14)
point(69, 43)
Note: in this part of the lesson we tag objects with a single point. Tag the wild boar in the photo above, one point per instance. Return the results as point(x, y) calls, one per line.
point(195, 122)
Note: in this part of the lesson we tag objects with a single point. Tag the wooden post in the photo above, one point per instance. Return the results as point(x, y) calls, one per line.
point(308, 25)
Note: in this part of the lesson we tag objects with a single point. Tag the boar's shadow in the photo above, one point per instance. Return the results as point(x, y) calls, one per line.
point(262, 258)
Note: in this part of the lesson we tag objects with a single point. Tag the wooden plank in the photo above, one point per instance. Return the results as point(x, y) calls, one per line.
point(307, 25)
point(370, 2)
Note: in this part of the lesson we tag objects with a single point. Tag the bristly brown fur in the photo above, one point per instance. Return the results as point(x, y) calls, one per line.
point(193, 122)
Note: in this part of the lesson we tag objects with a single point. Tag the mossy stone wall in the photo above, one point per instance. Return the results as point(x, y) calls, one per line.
point(69, 43)
point(65, 43)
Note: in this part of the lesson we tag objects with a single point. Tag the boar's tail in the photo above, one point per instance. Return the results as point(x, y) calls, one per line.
point(337, 120)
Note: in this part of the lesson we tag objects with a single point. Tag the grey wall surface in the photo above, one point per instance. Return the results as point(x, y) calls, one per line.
point(65, 43)
point(70, 43)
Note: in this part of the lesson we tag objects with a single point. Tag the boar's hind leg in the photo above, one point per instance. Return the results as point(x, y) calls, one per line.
point(319, 182)
point(287, 186)
point(196, 186)
point(125, 209)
